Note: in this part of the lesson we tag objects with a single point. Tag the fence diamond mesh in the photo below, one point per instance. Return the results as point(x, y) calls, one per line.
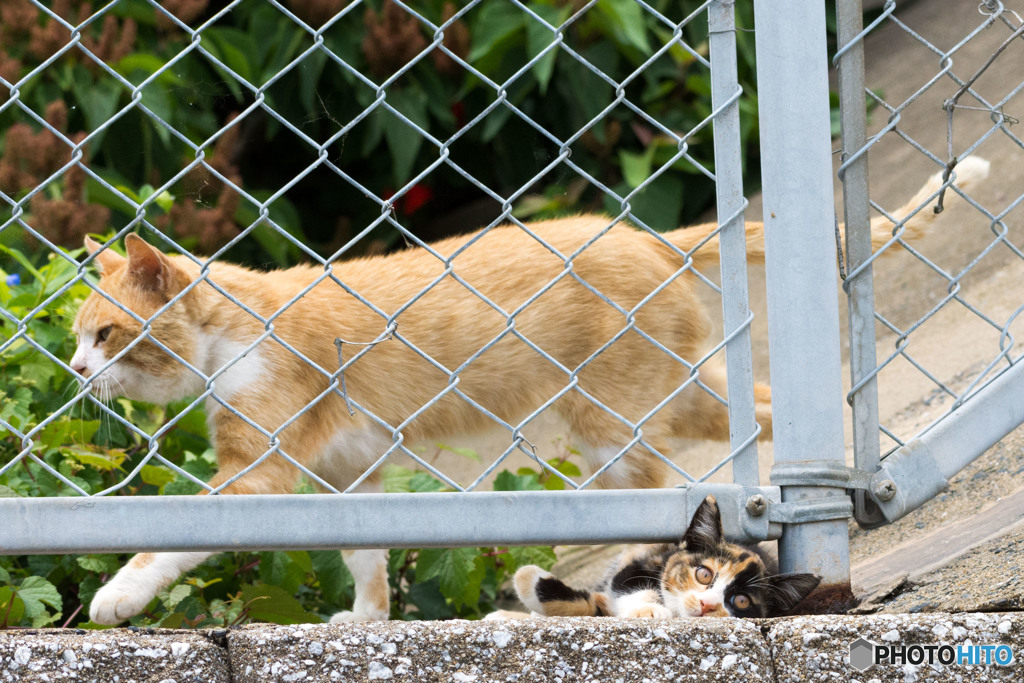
point(251, 120)
point(941, 344)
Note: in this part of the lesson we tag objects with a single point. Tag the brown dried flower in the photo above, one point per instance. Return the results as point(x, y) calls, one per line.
point(456, 39)
point(184, 10)
point(30, 158)
point(10, 71)
point(391, 40)
point(193, 215)
point(316, 12)
point(17, 18)
point(116, 41)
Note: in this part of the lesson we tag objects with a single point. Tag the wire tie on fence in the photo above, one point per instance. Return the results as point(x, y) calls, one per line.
point(839, 249)
point(338, 341)
point(951, 102)
point(945, 178)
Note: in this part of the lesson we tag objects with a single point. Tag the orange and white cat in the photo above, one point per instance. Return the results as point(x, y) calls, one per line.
point(270, 363)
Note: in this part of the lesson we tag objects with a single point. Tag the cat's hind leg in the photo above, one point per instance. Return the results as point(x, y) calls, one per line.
point(347, 455)
point(369, 569)
point(544, 594)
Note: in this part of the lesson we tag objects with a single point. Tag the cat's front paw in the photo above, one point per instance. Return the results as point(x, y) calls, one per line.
point(649, 612)
point(349, 616)
point(112, 604)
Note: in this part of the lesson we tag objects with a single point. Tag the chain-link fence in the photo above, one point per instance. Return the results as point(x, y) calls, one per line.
point(235, 131)
point(918, 360)
point(456, 180)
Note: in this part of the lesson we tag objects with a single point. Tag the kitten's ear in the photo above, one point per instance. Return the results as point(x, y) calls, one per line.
point(785, 591)
point(149, 267)
point(705, 531)
point(107, 260)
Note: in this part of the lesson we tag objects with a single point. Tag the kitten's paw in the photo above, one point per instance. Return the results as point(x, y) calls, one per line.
point(649, 612)
point(112, 604)
point(348, 617)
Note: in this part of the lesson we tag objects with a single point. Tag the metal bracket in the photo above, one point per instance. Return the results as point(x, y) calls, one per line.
point(829, 474)
point(821, 473)
point(903, 481)
point(811, 510)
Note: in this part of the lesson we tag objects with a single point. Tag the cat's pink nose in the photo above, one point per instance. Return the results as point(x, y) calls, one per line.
point(706, 607)
point(78, 366)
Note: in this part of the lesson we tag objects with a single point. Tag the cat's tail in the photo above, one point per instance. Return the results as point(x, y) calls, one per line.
point(544, 594)
point(915, 217)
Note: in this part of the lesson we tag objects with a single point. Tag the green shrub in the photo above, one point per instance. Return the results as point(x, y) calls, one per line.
point(188, 99)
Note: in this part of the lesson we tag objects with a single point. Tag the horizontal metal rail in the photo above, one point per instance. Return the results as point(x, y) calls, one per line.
point(370, 520)
point(911, 475)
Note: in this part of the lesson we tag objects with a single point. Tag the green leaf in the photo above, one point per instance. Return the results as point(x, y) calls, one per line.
point(172, 620)
point(566, 467)
point(4, 575)
point(93, 456)
point(332, 575)
point(25, 263)
point(540, 555)
point(496, 22)
point(539, 36)
point(272, 604)
point(403, 140)
point(458, 569)
point(98, 100)
point(395, 478)
point(280, 569)
point(236, 49)
point(100, 564)
point(157, 475)
point(626, 21)
point(36, 592)
point(284, 215)
point(12, 606)
point(636, 168)
point(422, 482)
point(464, 452)
point(426, 595)
point(176, 595)
point(8, 492)
point(506, 481)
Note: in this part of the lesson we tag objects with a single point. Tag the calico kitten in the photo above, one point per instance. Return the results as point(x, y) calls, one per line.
point(268, 371)
point(702, 576)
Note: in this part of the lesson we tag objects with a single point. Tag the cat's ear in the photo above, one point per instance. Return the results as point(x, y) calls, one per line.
point(106, 260)
point(705, 530)
point(149, 267)
point(785, 591)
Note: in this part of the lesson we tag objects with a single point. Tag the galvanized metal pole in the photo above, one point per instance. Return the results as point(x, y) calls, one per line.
point(803, 311)
point(860, 284)
point(725, 91)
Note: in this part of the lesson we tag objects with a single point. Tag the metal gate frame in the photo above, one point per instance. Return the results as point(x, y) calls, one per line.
point(888, 488)
point(808, 502)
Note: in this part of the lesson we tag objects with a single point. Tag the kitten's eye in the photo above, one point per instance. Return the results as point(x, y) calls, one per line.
point(102, 335)
point(740, 601)
point(704, 575)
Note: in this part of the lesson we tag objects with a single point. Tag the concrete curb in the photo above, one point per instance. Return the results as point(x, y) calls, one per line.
point(564, 650)
point(576, 649)
point(120, 655)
